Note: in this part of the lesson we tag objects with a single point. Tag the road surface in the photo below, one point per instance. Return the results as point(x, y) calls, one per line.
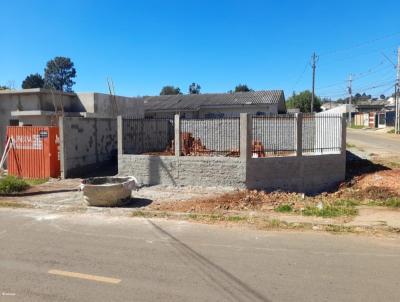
point(374, 142)
point(81, 257)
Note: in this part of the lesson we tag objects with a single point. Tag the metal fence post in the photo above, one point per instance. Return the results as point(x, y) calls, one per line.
point(344, 132)
point(299, 147)
point(246, 133)
point(177, 138)
point(120, 136)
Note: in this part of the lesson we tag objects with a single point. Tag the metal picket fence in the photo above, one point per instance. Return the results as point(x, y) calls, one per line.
point(210, 137)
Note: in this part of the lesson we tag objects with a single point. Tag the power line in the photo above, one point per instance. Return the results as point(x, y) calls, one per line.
point(300, 77)
point(360, 44)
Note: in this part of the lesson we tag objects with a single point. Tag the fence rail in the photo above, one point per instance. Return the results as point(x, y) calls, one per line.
point(272, 135)
point(210, 137)
point(322, 134)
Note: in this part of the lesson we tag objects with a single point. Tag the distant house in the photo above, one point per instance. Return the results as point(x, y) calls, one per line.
point(370, 105)
point(216, 104)
point(329, 105)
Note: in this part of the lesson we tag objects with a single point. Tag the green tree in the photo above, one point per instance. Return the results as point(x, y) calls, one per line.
point(33, 81)
point(302, 101)
point(242, 88)
point(4, 87)
point(170, 90)
point(59, 73)
point(194, 88)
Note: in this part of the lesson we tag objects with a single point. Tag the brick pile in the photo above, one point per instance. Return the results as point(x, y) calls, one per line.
point(258, 149)
point(191, 146)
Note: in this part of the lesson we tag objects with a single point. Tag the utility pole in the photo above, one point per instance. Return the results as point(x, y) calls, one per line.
point(314, 61)
point(350, 99)
point(396, 94)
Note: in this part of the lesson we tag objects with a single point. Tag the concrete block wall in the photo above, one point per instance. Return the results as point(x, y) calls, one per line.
point(298, 173)
point(308, 174)
point(150, 135)
point(184, 170)
point(86, 144)
point(102, 104)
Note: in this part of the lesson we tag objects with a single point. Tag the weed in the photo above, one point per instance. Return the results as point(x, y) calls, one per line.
point(284, 208)
point(10, 204)
point(391, 131)
point(330, 211)
point(334, 228)
point(12, 184)
point(357, 126)
point(350, 145)
point(193, 216)
point(236, 218)
point(35, 182)
point(393, 202)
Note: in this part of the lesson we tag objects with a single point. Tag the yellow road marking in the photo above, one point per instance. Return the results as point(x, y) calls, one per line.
point(84, 276)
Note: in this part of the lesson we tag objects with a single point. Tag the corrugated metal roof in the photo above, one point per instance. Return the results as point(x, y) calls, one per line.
point(196, 101)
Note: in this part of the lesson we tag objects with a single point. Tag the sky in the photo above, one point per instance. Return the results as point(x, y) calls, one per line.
point(144, 45)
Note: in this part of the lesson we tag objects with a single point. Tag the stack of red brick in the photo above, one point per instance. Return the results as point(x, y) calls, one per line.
point(258, 149)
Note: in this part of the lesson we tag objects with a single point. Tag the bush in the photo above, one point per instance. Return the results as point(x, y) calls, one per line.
point(11, 184)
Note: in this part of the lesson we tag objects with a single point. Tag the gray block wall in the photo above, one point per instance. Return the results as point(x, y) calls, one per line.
point(298, 173)
point(184, 171)
point(150, 135)
point(86, 144)
point(308, 174)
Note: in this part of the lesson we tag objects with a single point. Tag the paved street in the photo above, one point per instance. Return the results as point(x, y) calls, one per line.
point(376, 142)
point(82, 257)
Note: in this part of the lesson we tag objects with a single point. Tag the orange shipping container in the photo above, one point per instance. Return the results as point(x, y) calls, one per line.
point(34, 151)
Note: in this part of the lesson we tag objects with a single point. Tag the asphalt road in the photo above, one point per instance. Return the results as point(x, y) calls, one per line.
point(48, 257)
point(376, 142)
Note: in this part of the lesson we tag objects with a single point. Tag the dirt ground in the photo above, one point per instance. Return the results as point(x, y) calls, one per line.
point(367, 182)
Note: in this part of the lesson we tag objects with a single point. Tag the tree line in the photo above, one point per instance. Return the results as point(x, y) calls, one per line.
point(195, 89)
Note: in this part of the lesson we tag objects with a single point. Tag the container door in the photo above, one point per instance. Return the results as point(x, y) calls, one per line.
point(31, 152)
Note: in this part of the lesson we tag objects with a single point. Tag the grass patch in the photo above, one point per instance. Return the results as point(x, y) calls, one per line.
point(357, 127)
point(10, 204)
point(284, 208)
point(236, 218)
point(35, 182)
point(335, 210)
point(12, 184)
point(391, 131)
point(348, 145)
point(393, 202)
point(334, 228)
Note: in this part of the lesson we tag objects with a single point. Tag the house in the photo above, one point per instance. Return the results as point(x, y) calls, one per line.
point(42, 107)
point(215, 104)
point(339, 109)
point(370, 105)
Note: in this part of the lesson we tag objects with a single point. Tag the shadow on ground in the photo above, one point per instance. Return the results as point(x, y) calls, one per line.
point(136, 203)
point(356, 166)
point(33, 193)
